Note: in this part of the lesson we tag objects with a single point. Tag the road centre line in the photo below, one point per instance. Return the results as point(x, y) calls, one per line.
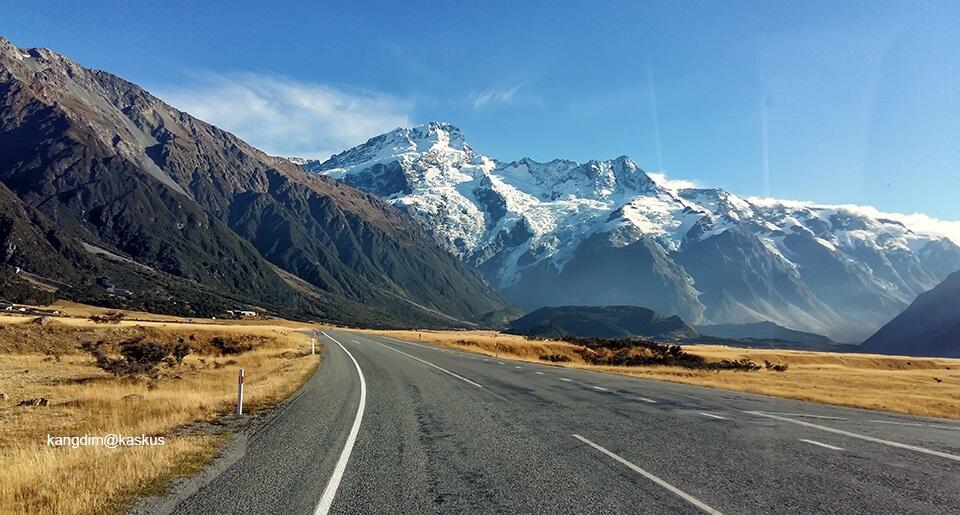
point(711, 415)
point(917, 424)
point(821, 444)
point(899, 445)
point(676, 491)
point(539, 373)
point(330, 491)
point(602, 389)
point(425, 362)
point(804, 415)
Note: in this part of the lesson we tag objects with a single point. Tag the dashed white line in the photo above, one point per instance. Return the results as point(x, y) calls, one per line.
point(644, 399)
point(676, 491)
point(565, 379)
point(804, 415)
point(517, 366)
point(602, 389)
point(916, 424)
point(821, 444)
point(425, 362)
point(539, 373)
point(326, 500)
point(711, 415)
point(898, 445)
point(501, 363)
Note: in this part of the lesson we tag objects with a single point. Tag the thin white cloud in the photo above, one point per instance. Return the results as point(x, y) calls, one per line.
point(671, 184)
point(286, 117)
point(917, 222)
point(495, 96)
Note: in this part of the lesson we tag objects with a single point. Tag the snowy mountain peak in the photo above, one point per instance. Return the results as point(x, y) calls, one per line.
point(606, 232)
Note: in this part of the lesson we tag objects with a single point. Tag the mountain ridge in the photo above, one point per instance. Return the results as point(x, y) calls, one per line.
point(708, 255)
point(118, 169)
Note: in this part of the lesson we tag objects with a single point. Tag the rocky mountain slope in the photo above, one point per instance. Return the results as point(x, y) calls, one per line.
point(119, 173)
point(601, 322)
point(930, 326)
point(765, 331)
point(605, 232)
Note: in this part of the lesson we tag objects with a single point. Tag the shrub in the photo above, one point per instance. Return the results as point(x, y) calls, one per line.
point(776, 367)
point(555, 358)
point(231, 345)
point(110, 317)
point(137, 357)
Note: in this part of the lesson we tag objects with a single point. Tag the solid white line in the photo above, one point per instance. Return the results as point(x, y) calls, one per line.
point(711, 415)
point(916, 424)
point(676, 491)
point(602, 389)
point(821, 444)
point(326, 500)
point(899, 445)
point(539, 373)
point(425, 362)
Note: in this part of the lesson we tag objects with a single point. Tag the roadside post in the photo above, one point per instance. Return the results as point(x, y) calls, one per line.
point(240, 394)
point(498, 350)
point(313, 346)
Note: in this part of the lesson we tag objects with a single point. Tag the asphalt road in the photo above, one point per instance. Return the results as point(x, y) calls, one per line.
point(430, 430)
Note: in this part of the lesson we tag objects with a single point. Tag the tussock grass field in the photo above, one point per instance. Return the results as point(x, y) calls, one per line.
point(45, 361)
point(915, 386)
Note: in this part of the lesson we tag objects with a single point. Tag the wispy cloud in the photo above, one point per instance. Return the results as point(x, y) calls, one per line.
point(671, 184)
point(497, 96)
point(286, 117)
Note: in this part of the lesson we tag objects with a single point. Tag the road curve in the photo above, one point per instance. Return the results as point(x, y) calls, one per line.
point(441, 431)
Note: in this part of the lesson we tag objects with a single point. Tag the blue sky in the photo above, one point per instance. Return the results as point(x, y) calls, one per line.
point(836, 102)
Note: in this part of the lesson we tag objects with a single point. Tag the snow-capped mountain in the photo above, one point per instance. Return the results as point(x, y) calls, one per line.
point(605, 232)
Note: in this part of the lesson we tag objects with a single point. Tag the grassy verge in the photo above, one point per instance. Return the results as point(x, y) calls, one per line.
point(44, 361)
point(915, 386)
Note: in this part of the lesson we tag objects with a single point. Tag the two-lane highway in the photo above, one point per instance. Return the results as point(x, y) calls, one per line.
point(396, 427)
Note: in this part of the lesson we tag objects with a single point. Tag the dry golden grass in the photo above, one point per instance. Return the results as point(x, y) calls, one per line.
point(44, 362)
point(889, 383)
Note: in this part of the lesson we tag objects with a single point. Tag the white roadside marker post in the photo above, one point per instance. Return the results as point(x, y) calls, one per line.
point(313, 346)
point(240, 394)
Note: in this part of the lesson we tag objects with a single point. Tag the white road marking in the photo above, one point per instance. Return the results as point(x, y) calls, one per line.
point(565, 379)
point(821, 444)
point(425, 362)
point(916, 424)
point(644, 399)
point(517, 366)
point(326, 500)
point(355, 341)
point(539, 373)
point(711, 415)
point(804, 415)
point(676, 491)
point(602, 389)
point(487, 360)
point(899, 445)
point(501, 363)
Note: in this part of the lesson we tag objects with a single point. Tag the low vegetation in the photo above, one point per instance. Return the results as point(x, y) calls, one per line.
point(76, 377)
point(917, 386)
